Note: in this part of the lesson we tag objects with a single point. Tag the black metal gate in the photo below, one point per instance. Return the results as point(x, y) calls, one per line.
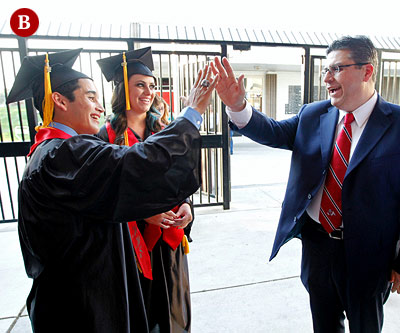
point(317, 88)
point(388, 78)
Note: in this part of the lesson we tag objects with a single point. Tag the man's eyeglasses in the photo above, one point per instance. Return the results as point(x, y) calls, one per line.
point(338, 68)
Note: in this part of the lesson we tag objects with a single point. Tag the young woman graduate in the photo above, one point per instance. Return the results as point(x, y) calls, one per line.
point(165, 282)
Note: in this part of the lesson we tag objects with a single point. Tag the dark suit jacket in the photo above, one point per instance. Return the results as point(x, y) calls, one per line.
point(371, 188)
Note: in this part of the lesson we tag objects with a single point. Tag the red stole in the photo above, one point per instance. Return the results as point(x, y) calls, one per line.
point(152, 233)
point(172, 236)
point(47, 133)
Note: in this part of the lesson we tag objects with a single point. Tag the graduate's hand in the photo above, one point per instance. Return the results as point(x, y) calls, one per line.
point(163, 220)
point(230, 90)
point(200, 96)
point(395, 279)
point(184, 214)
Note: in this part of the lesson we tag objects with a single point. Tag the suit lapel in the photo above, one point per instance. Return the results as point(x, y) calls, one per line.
point(328, 123)
point(377, 125)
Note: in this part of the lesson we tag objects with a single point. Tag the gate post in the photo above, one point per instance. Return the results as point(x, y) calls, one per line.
point(379, 73)
point(31, 113)
point(226, 158)
point(307, 78)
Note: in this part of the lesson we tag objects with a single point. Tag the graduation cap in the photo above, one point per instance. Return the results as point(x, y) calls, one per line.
point(39, 75)
point(120, 67)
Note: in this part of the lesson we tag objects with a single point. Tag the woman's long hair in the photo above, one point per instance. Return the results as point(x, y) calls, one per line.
point(119, 121)
point(158, 101)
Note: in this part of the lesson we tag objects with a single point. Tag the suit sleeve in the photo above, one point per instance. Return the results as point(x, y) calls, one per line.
point(267, 131)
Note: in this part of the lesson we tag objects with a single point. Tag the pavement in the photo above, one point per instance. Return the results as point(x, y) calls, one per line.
point(233, 286)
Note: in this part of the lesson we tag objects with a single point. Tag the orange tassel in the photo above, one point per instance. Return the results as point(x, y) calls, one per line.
point(185, 244)
point(126, 138)
point(125, 70)
point(48, 103)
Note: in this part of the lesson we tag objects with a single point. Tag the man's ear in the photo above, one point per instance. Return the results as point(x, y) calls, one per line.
point(59, 100)
point(369, 70)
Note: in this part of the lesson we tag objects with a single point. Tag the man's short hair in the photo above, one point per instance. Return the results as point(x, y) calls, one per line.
point(67, 90)
point(361, 50)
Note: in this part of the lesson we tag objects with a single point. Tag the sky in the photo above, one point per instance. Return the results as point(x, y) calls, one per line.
point(341, 16)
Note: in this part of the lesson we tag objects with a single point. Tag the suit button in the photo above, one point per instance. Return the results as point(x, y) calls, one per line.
point(309, 196)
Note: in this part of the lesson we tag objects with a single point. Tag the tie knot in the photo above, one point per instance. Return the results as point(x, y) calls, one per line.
point(348, 118)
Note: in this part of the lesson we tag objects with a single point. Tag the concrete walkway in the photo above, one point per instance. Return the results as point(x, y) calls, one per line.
point(234, 287)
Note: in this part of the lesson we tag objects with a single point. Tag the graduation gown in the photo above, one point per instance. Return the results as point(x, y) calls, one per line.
point(74, 196)
point(167, 295)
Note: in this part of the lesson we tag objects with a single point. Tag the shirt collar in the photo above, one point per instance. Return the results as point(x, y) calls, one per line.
point(362, 113)
point(63, 128)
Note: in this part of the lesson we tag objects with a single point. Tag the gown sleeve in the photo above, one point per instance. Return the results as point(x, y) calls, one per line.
point(111, 183)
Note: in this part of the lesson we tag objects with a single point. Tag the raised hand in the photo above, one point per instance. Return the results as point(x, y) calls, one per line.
point(230, 90)
point(200, 95)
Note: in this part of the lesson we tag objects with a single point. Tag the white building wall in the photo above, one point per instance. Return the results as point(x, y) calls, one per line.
point(284, 80)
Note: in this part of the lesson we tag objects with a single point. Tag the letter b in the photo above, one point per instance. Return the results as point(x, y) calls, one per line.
point(24, 22)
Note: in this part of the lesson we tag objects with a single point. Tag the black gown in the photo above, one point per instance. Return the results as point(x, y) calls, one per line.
point(73, 196)
point(167, 296)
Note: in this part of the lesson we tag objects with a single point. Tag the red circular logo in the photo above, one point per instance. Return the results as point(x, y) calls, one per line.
point(24, 22)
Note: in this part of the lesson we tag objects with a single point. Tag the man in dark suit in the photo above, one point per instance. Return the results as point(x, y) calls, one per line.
point(343, 193)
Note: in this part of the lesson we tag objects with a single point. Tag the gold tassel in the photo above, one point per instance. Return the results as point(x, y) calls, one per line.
point(48, 103)
point(126, 138)
point(185, 244)
point(125, 70)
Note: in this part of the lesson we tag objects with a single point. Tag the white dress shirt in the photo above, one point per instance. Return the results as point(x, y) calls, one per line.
point(361, 116)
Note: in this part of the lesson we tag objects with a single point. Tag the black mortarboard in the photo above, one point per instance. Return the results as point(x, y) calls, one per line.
point(138, 62)
point(121, 67)
point(31, 80)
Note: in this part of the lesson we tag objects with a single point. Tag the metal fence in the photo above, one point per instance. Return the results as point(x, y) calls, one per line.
point(388, 81)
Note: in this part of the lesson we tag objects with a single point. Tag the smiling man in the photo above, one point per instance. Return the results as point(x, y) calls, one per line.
point(82, 111)
point(343, 192)
point(77, 191)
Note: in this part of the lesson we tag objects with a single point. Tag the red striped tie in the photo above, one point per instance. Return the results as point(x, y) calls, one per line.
point(330, 213)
